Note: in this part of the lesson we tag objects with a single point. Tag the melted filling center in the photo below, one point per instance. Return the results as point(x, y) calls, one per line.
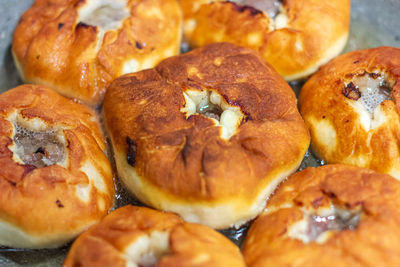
point(39, 149)
point(371, 89)
point(317, 225)
point(107, 15)
point(147, 250)
point(271, 7)
point(148, 261)
point(210, 110)
point(212, 105)
point(316, 228)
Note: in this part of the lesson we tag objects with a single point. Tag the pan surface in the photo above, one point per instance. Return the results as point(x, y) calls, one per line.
point(373, 23)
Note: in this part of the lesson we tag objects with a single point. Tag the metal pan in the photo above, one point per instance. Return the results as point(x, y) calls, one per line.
point(372, 24)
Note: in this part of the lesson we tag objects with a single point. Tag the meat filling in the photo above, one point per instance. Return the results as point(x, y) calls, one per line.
point(271, 7)
point(107, 15)
point(147, 261)
point(211, 104)
point(337, 222)
point(373, 88)
point(316, 228)
point(210, 110)
point(39, 149)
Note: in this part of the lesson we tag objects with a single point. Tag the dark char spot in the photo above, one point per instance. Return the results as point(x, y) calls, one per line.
point(28, 168)
point(247, 118)
point(60, 25)
point(351, 91)
point(331, 195)
point(12, 183)
point(131, 151)
point(82, 25)
point(239, 8)
point(85, 26)
point(298, 203)
point(59, 204)
point(139, 45)
point(374, 75)
point(185, 151)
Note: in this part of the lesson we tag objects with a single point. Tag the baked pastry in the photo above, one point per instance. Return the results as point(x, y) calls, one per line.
point(78, 47)
point(138, 236)
point(335, 215)
point(208, 134)
point(352, 107)
point(294, 36)
point(55, 180)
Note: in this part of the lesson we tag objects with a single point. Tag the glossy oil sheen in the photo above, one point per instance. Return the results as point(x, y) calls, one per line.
point(372, 25)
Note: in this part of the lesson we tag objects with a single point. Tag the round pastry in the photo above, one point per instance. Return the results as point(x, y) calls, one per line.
point(335, 215)
point(137, 236)
point(55, 180)
point(352, 107)
point(78, 47)
point(294, 36)
point(208, 134)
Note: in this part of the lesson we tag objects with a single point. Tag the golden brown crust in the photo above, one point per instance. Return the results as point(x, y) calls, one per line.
point(322, 102)
point(315, 31)
point(375, 239)
point(106, 244)
point(52, 47)
point(42, 202)
point(185, 158)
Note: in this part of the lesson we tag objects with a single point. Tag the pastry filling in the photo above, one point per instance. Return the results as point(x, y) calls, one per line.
point(212, 105)
point(147, 250)
point(104, 14)
point(369, 89)
point(38, 148)
point(210, 110)
point(271, 7)
point(315, 227)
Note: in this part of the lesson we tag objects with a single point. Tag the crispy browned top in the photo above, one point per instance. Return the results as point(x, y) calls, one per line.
point(187, 157)
point(189, 244)
point(312, 28)
point(375, 240)
point(53, 48)
point(323, 99)
point(43, 201)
